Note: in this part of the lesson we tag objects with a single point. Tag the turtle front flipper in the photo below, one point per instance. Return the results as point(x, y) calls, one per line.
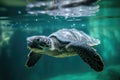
point(32, 59)
point(88, 54)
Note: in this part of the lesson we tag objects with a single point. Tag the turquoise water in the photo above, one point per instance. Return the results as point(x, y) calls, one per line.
point(15, 28)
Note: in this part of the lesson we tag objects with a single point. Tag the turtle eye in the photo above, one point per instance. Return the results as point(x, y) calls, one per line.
point(37, 40)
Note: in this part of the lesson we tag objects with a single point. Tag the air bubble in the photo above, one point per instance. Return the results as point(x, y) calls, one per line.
point(19, 12)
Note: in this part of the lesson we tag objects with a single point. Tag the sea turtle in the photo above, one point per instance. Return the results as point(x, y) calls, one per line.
point(65, 43)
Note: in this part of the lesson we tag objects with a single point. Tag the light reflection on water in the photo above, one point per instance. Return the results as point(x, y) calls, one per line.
point(66, 8)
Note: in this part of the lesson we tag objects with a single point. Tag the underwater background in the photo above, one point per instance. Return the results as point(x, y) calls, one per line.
point(16, 24)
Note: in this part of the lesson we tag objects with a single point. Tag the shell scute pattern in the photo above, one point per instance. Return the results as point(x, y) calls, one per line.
point(69, 35)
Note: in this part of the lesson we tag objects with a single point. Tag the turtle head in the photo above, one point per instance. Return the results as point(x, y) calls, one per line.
point(38, 42)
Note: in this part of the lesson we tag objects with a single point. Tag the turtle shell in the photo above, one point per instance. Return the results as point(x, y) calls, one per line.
point(71, 35)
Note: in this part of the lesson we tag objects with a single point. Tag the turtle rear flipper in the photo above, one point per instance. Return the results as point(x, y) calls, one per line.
point(32, 59)
point(88, 54)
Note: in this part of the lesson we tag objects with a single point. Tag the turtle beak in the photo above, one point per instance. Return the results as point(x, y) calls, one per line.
point(32, 44)
point(30, 41)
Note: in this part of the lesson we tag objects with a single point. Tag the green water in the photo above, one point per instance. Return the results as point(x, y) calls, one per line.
point(14, 29)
